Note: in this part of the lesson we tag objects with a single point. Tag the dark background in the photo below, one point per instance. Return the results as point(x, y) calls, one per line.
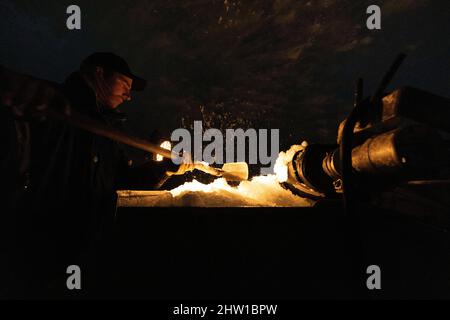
point(285, 64)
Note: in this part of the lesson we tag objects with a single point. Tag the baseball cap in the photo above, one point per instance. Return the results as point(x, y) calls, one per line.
point(116, 63)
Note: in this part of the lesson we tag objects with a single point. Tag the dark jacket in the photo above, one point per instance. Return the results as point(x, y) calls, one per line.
point(62, 180)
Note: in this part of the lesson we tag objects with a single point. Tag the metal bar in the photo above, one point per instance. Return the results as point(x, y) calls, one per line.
point(388, 77)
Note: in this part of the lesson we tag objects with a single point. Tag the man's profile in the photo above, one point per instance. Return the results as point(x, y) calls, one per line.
point(60, 181)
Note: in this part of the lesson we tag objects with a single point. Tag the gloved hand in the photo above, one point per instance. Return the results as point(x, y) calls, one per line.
point(29, 97)
point(186, 166)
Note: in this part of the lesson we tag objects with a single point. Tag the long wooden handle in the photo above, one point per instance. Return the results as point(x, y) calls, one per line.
point(98, 128)
point(207, 169)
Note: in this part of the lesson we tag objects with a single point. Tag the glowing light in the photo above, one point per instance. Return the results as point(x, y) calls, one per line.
point(165, 145)
point(281, 165)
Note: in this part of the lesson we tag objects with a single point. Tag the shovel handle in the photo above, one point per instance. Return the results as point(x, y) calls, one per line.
point(211, 170)
point(96, 127)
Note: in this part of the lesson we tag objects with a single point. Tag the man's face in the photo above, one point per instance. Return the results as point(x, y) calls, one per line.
point(120, 89)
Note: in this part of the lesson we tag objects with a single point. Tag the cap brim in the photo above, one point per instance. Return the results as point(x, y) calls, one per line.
point(138, 83)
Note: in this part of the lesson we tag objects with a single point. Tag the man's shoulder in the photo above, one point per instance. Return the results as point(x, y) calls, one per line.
point(77, 91)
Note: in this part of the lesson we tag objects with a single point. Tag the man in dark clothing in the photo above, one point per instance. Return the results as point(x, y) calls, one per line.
point(60, 181)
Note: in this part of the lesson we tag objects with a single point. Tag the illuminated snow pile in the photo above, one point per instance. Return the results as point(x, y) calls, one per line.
point(260, 191)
